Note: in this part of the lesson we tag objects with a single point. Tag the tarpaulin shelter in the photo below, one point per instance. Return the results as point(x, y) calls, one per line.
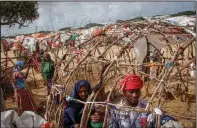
point(28, 119)
point(38, 35)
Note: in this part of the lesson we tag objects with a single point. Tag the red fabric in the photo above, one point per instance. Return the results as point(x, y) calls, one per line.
point(48, 125)
point(125, 26)
point(25, 101)
point(57, 44)
point(72, 43)
point(49, 42)
point(17, 45)
point(131, 82)
point(143, 122)
point(97, 32)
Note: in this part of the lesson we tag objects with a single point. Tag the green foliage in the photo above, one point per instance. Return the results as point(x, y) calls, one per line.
point(134, 19)
point(80, 28)
point(66, 28)
point(93, 24)
point(18, 12)
point(137, 19)
point(184, 13)
point(5, 37)
point(45, 32)
point(157, 15)
point(119, 21)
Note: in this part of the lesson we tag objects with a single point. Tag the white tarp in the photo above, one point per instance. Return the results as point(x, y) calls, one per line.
point(43, 44)
point(10, 119)
point(20, 38)
point(155, 41)
point(30, 43)
point(64, 37)
point(181, 20)
point(140, 49)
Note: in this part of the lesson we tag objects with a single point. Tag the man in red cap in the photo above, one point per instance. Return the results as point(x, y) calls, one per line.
point(131, 86)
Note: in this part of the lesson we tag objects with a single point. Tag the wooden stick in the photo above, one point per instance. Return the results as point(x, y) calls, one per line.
point(167, 73)
point(71, 73)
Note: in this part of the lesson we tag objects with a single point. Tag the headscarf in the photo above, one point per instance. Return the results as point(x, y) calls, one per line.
point(77, 87)
point(19, 65)
point(47, 67)
point(131, 81)
point(73, 113)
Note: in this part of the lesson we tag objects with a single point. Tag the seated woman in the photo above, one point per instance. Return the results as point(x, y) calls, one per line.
point(23, 97)
point(97, 117)
point(73, 112)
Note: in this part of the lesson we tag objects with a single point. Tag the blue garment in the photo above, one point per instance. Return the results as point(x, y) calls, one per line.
point(166, 118)
point(127, 119)
point(73, 113)
point(20, 65)
point(20, 83)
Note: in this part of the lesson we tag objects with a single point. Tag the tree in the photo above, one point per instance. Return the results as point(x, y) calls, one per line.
point(18, 12)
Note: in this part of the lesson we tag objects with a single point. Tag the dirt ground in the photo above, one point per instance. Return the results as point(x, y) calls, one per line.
point(185, 113)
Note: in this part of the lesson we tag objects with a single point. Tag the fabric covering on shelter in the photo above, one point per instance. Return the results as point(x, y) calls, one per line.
point(10, 119)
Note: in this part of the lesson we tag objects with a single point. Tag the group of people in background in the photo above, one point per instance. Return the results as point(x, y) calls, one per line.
point(22, 95)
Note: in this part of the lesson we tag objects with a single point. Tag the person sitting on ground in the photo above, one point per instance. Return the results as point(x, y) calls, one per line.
point(23, 97)
point(97, 117)
point(47, 70)
point(73, 111)
point(131, 86)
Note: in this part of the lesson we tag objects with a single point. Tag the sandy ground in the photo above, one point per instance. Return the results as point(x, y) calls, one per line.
point(186, 114)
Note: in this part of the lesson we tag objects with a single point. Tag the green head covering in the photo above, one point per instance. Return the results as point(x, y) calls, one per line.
point(47, 68)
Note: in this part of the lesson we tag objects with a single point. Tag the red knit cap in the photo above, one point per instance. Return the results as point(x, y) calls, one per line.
point(125, 26)
point(131, 82)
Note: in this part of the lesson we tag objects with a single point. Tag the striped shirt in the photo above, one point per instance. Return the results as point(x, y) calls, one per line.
point(127, 119)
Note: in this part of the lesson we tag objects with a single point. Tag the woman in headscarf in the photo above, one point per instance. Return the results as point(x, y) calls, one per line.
point(23, 97)
point(73, 112)
point(47, 70)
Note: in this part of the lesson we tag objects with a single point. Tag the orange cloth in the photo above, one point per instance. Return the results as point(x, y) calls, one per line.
point(17, 45)
point(48, 125)
point(96, 32)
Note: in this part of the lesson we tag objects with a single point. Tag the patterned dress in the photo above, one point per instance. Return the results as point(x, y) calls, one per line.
point(127, 119)
point(24, 99)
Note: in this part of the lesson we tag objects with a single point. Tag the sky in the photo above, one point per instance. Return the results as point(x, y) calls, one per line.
point(56, 15)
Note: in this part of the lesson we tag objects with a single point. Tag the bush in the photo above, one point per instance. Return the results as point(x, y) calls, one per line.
point(137, 19)
point(119, 21)
point(184, 13)
point(66, 28)
point(93, 24)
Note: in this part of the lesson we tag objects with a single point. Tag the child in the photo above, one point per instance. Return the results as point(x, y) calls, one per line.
point(97, 117)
